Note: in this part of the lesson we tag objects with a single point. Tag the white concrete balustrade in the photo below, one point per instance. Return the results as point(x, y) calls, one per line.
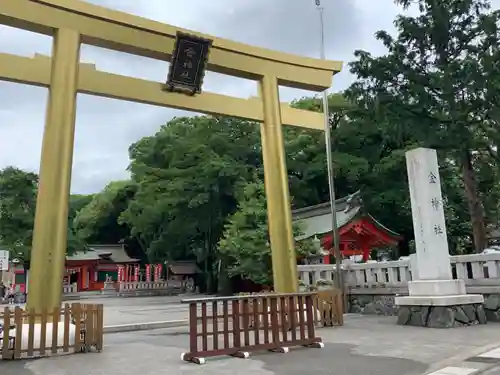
point(70, 288)
point(131, 286)
point(152, 285)
point(477, 270)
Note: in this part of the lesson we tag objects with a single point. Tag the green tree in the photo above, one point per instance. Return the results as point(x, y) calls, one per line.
point(244, 247)
point(367, 156)
point(76, 203)
point(18, 191)
point(306, 157)
point(17, 211)
point(185, 176)
point(98, 221)
point(438, 81)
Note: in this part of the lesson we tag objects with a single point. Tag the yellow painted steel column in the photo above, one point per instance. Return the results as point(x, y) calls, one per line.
point(277, 194)
point(51, 219)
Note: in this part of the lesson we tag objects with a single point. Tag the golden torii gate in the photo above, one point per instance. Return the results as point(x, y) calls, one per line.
point(73, 22)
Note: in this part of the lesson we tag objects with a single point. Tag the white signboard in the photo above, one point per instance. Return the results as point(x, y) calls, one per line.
point(4, 260)
point(427, 210)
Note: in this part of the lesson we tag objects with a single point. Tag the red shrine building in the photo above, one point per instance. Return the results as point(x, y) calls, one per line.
point(359, 231)
point(90, 269)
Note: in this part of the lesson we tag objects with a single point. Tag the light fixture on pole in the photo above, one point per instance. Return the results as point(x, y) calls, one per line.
point(329, 162)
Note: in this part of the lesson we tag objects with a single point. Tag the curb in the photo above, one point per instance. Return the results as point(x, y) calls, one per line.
point(134, 327)
point(70, 297)
point(475, 365)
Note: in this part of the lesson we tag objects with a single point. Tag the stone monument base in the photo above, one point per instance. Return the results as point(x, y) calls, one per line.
point(441, 311)
point(425, 288)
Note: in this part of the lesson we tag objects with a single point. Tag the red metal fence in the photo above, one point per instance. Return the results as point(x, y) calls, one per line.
point(239, 325)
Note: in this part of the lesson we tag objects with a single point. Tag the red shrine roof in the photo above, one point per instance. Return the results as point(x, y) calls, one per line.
point(352, 220)
point(183, 268)
point(104, 253)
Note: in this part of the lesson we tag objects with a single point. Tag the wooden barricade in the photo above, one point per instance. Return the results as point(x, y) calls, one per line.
point(328, 307)
point(239, 325)
point(26, 334)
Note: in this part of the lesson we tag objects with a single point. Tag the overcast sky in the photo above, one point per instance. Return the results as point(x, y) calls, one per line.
point(105, 128)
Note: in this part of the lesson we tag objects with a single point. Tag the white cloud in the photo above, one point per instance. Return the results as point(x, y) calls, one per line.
point(105, 127)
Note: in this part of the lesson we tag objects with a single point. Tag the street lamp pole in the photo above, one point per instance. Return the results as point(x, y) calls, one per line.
point(329, 162)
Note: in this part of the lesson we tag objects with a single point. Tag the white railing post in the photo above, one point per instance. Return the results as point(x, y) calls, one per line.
point(477, 270)
point(131, 286)
point(361, 275)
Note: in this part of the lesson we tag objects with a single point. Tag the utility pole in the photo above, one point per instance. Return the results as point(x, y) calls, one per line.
point(329, 162)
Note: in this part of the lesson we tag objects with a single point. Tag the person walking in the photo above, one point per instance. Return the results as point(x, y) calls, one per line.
point(11, 292)
point(3, 292)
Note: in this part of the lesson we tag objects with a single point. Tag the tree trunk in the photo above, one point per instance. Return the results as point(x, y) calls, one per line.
point(476, 210)
point(403, 248)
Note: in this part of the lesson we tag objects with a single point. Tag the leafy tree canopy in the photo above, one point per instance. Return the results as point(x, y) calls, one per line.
point(185, 176)
point(437, 86)
point(244, 246)
point(97, 221)
point(17, 211)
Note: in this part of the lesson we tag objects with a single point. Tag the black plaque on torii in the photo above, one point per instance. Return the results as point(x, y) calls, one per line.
point(188, 64)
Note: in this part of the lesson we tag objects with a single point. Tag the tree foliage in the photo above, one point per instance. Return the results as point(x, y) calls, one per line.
point(18, 191)
point(17, 211)
point(98, 220)
point(196, 190)
point(437, 83)
point(244, 248)
point(185, 176)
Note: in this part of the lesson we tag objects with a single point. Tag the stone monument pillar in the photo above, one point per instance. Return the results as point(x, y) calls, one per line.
point(435, 299)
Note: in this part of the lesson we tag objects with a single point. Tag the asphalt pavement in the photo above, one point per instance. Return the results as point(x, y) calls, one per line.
point(366, 345)
point(158, 352)
point(139, 310)
point(492, 371)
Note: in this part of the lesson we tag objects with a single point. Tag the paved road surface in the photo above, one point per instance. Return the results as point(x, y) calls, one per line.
point(140, 310)
point(136, 310)
point(364, 346)
point(493, 371)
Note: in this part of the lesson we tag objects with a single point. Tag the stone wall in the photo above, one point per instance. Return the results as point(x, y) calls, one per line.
point(442, 316)
point(492, 307)
point(372, 304)
point(383, 304)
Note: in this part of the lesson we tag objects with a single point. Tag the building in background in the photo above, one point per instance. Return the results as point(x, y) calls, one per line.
point(88, 270)
point(360, 232)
